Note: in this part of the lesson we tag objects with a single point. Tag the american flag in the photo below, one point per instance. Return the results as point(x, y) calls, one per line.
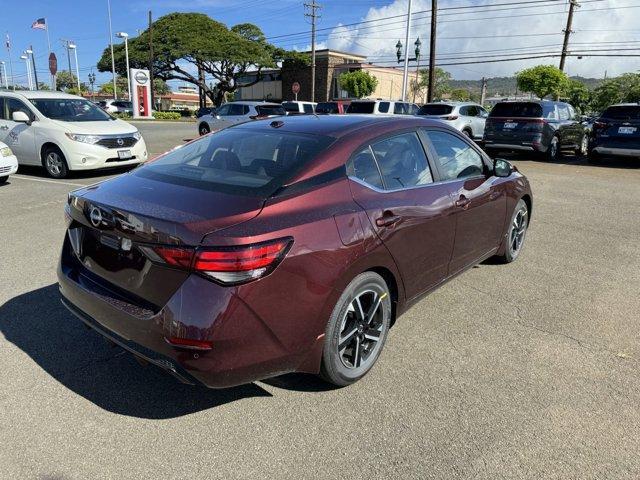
point(40, 24)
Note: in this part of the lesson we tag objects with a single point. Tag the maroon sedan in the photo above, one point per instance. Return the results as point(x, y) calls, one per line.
point(285, 246)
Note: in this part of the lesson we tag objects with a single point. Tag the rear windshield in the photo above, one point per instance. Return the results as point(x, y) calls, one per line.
point(626, 112)
point(271, 110)
point(523, 109)
point(237, 160)
point(435, 110)
point(291, 107)
point(361, 107)
point(327, 107)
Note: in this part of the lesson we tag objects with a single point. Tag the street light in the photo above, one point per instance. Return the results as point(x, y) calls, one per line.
point(416, 59)
point(4, 75)
point(125, 35)
point(26, 61)
point(30, 54)
point(92, 81)
point(73, 46)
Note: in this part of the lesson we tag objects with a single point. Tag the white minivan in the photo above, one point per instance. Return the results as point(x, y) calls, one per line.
point(63, 132)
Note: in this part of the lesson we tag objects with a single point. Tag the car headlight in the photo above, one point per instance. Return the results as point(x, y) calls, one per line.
point(5, 152)
point(91, 139)
point(137, 135)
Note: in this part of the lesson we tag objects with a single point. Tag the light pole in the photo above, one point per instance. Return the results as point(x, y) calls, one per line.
point(33, 64)
point(406, 60)
point(4, 75)
point(74, 47)
point(26, 61)
point(92, 81)
point(405, 74)
point(125, 35)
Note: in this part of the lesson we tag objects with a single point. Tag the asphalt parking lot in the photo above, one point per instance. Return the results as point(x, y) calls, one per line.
point(528, 370)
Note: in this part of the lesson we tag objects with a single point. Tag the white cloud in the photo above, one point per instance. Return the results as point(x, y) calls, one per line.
point(594, 22)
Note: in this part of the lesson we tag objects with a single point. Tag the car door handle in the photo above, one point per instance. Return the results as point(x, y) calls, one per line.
point(387, 220)
point(463, 202)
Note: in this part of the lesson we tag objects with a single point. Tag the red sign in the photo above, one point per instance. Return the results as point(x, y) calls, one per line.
point(53, 63)
point(295, 88)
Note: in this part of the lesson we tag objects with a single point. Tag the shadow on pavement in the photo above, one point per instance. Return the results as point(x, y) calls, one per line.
point(42, 173)
point(38, 324)
point(571, 159)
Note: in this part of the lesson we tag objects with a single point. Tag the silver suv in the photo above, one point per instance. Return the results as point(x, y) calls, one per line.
point(382, 107)
point(467, 117)
point(238, 112)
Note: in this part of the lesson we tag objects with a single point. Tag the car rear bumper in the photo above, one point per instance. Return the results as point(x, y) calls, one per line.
point(618, 152)
point(243, 347)
point(509, 146)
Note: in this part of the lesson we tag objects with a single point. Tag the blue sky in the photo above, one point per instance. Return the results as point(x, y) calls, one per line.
point(598, 23)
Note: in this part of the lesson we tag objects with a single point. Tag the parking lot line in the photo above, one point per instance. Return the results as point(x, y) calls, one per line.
point(21, 177)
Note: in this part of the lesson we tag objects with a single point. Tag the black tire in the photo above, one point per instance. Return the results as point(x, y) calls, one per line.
point(519, 221)
point(203, 128)
point(3, 179)
point(594, 158)
point(55, 163)
point(553, 151)
point(468, 133)
point(350, 349)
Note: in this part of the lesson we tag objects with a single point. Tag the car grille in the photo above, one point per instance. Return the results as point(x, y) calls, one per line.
point(5, 169)
point(112, 142)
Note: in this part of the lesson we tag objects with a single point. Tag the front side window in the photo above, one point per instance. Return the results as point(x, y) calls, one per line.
point(402, 162)
point(223, 111)
point(363, 107)
point(238, 160)
point(455, 157)
point(327, 107)
point(400, 108)
point(563, 112)
point(363, 167)
point(291, 107)
point(308, 108)
point(235, 109)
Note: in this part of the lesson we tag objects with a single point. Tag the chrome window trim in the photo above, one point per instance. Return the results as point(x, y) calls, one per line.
point(440, 182)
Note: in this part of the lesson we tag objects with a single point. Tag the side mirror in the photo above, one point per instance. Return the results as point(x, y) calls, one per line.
point(502, 168)
point(21, 117)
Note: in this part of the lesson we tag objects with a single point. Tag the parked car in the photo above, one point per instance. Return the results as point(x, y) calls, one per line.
point(616, 133)
point(337, 106)
point(542, 127)
point(8, 163)
point(288, 244)
point(300, 108)
point(201, 112)
point(238, 112)
point(63, 132)
point(467, 117)
point(382, 107)
point(116, 106)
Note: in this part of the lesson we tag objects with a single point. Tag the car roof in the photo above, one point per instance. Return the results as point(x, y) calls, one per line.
point(250, 103)
point(40, 94)
point(335, 126)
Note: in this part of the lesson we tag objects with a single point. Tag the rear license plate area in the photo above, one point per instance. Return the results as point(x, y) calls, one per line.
point(509, 125)
point(627, 130)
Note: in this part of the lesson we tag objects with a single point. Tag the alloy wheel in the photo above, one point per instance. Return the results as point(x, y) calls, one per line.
point(553, 149)
point(584, 145)
point(55, 164)
point(361, 330)
point(518, 230)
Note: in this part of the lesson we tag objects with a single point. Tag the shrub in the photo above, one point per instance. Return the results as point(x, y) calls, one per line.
point(167, 115)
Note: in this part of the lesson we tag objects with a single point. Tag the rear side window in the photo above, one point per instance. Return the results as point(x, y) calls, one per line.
point(237, 160)
point(327, 107)
point(563, 112)
point(383, 107)
point(435, 110)
point(270, 110)
point(455, 158)
point(363, 107)
point(363, 167)
point(517, 109)
point(622, 112)
point(308, 108)
point(400, 108)
point(402, 162)
point(291, 107)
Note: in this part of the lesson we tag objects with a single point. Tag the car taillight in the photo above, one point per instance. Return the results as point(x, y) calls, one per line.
point(226, 265)
point(600, 124)
point(232, 265)
point(189, 343)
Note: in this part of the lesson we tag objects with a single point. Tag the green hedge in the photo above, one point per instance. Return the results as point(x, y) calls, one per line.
point(167, 115)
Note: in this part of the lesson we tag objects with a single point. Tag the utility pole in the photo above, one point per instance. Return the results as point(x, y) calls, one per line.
point(567, 32)
point(405, 73)
point(483, 91)
point(113, 61)
point(432, 51)
point(312, 13)
point(151, 57)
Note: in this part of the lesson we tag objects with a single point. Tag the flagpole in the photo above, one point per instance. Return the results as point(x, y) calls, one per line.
point(46, 27)
point(13, 82)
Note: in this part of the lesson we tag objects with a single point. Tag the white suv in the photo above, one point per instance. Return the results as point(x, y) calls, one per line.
point(237, 112)
point(382, 107)
point(467, 117)
point(63, 132)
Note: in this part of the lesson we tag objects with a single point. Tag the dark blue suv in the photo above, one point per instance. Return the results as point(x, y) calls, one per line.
point(616, 133)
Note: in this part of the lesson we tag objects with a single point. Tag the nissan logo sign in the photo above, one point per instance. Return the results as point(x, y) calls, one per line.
point(95, 216)
point(141, 77)
point(120, 142)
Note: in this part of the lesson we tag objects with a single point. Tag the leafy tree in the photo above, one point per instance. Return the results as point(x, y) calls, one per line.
point(625, 88)
point(66, 80)
point(43, 86)
point(358, 83)
point(441, 87)
point(578, 95)
point(185, 43)
point(460, 95)
point(543, 80)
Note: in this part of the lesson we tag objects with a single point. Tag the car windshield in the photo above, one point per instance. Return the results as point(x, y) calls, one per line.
point(237, 160)
point(70, 110)
point(361, 107)
point(327, 107)
point(622, 112)
point(435, 110)
point(522, 109)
